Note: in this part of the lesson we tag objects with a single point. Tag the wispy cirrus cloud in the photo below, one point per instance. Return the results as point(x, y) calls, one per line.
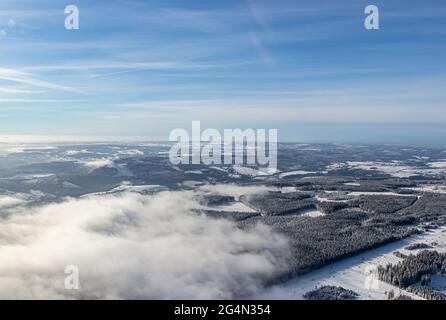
point(31, 101)
point(13, 90)
point(145, 64)
point(115, 67)
point(26, 78)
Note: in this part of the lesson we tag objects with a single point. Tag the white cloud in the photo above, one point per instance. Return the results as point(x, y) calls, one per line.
point(26, 139)
point(10, 201)
point(132, 246)
point(11, 149)
point(131, 152)
point(10, 90)
point(76, 152)
point(97, 163)
point(29, 79)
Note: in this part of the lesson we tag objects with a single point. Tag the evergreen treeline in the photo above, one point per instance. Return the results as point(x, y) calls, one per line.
point(316, 242)
point(414, 273)
point(274, 203)
point(331, 293)
point(384, 203)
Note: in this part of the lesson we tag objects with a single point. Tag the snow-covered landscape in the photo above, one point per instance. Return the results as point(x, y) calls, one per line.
point(309, 230)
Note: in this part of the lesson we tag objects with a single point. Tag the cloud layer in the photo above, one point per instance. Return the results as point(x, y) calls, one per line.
point(130, 246)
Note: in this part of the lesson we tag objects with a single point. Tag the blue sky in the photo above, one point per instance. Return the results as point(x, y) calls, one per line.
point(142, 68)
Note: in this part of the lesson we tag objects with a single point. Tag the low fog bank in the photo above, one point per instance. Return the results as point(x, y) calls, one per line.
point(130, 246)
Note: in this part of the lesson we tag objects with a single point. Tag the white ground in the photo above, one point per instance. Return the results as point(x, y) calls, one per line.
point(430, 188)
point(355, 184)
point(232, 207)
point(393, 168)
point(131, 188)
point(439, 164)
point(312, 214)
point(297, 173)
point(357, 273)
point(69, 185)
point(371, 193)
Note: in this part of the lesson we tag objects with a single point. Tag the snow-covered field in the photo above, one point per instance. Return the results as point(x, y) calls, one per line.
point(430, 188)
point(232, 207)
point(372, 193)
point(358, 273)
point(313, 214)
point(299, 173)
point(394, 168)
